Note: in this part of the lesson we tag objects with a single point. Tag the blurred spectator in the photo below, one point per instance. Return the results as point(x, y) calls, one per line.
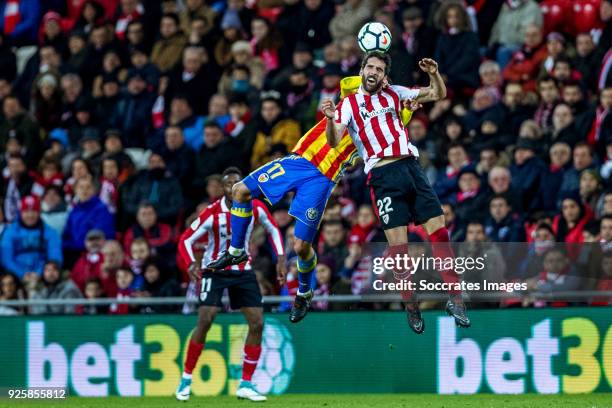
point(8, 60)
point(11, 289)
point(159, 236)
point(47, 102)
point(240, 115)
point(477, 245)
point(17, 123)
point(582, 159)
point(470, 201)
point(324, 276)
point(139, 252)
point(20, 22)
point(178, 156)
point(28, 243)
point(167, 50)
point(590, 190)
point(216, 153)
point(417, 41)
point(93, 290)
point(109, 183)
point(511, 25)
point(133, 110)
point(558, 274)
point(559, 155)
point(549, 95)
point(90, 262)
point(527, 171)
point(333, 242)
point(349, 19)
point(157, 186)
point(585, 60)
point(217, 110)
point(543, 239)
point(54, 286)
point(54, 211)
point(17, 183)
point(157, 283)
point(446, 183)
point(124, 280)
point(569, 225)
point(306, 21)
point(89, 213)
point(457, 50)
point(196, 79)
point(525, 63)
point(197, 10)
point(502, 224)
point(232, 32)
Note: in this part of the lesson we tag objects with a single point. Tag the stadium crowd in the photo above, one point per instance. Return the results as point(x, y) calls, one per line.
point(118, 117)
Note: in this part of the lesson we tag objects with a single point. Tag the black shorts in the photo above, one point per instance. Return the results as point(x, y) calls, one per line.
point(242, 287)
point(402, 194)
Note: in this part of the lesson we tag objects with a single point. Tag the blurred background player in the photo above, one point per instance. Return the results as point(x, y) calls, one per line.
point(398, 184)
point(239, 280)
point(312, 171)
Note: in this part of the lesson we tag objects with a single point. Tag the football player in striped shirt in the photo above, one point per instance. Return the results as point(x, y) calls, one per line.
point(399, 188)
point(312, 171)
point(213, 224)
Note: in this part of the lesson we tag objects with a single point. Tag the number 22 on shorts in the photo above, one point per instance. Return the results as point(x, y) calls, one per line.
point(384, 208)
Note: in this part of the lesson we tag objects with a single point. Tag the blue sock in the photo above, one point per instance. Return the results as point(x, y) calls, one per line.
point(306, 271)
point(241, 214)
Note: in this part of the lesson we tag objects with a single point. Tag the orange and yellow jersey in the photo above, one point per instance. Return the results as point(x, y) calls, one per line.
point(333, 161)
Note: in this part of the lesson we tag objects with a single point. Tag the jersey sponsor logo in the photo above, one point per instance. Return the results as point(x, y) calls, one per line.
point(383, 111)
point(263, 177)
point(312, 213)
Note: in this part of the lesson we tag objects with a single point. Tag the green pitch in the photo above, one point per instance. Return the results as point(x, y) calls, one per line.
point(339, 401)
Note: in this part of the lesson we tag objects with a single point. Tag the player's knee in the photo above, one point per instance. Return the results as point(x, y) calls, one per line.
point(301, 248)
point(240, 192)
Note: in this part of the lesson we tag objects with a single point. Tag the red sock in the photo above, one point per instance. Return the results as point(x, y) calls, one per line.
point(251, 357)
point(193, 353)
point(441, 248)
point(400, 274)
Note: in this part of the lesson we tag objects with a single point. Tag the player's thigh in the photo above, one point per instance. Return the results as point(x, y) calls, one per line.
point(206, 315)
point(273, 180)
point(244, 291)
point(309, 204)
point(425, 204)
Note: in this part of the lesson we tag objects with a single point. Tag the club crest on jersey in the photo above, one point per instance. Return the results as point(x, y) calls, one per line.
point(312, 213)
point(385, 218)
point(263, 177)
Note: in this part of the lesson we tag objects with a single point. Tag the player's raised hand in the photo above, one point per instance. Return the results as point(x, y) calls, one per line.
point(195, 271)
point(411, 104)
point(428, 66)
point(328, 108)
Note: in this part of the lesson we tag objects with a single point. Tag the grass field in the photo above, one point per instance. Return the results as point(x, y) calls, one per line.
point(340, 401)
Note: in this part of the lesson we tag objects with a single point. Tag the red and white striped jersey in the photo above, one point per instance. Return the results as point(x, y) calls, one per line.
point(213, 224)
point(374, 123)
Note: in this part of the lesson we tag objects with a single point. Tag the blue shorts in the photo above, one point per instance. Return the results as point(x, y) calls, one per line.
point(294, 173)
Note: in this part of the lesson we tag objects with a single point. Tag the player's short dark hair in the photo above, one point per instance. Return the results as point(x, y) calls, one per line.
point(547, 78)
point(145, 204)
point(231, 170)
point(381, 56)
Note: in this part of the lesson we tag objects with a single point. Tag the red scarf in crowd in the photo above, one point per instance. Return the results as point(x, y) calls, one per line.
point(11, 16)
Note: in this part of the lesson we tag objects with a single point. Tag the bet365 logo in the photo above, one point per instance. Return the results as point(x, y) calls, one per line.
point(579, 361)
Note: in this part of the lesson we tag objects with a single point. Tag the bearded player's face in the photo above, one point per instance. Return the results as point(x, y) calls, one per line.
point(373, 75)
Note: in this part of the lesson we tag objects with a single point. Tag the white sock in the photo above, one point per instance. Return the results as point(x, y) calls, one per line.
point(186, 376)
point(235, 251)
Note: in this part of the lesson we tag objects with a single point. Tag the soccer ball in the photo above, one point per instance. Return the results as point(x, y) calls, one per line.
point(374, 37)
point(275, 368)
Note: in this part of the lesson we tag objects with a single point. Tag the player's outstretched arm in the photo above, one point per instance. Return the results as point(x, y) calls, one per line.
point(436, 89)
point(333, 131)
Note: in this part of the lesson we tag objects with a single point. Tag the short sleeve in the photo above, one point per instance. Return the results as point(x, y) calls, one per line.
point(406, 93)
point(343, 112)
